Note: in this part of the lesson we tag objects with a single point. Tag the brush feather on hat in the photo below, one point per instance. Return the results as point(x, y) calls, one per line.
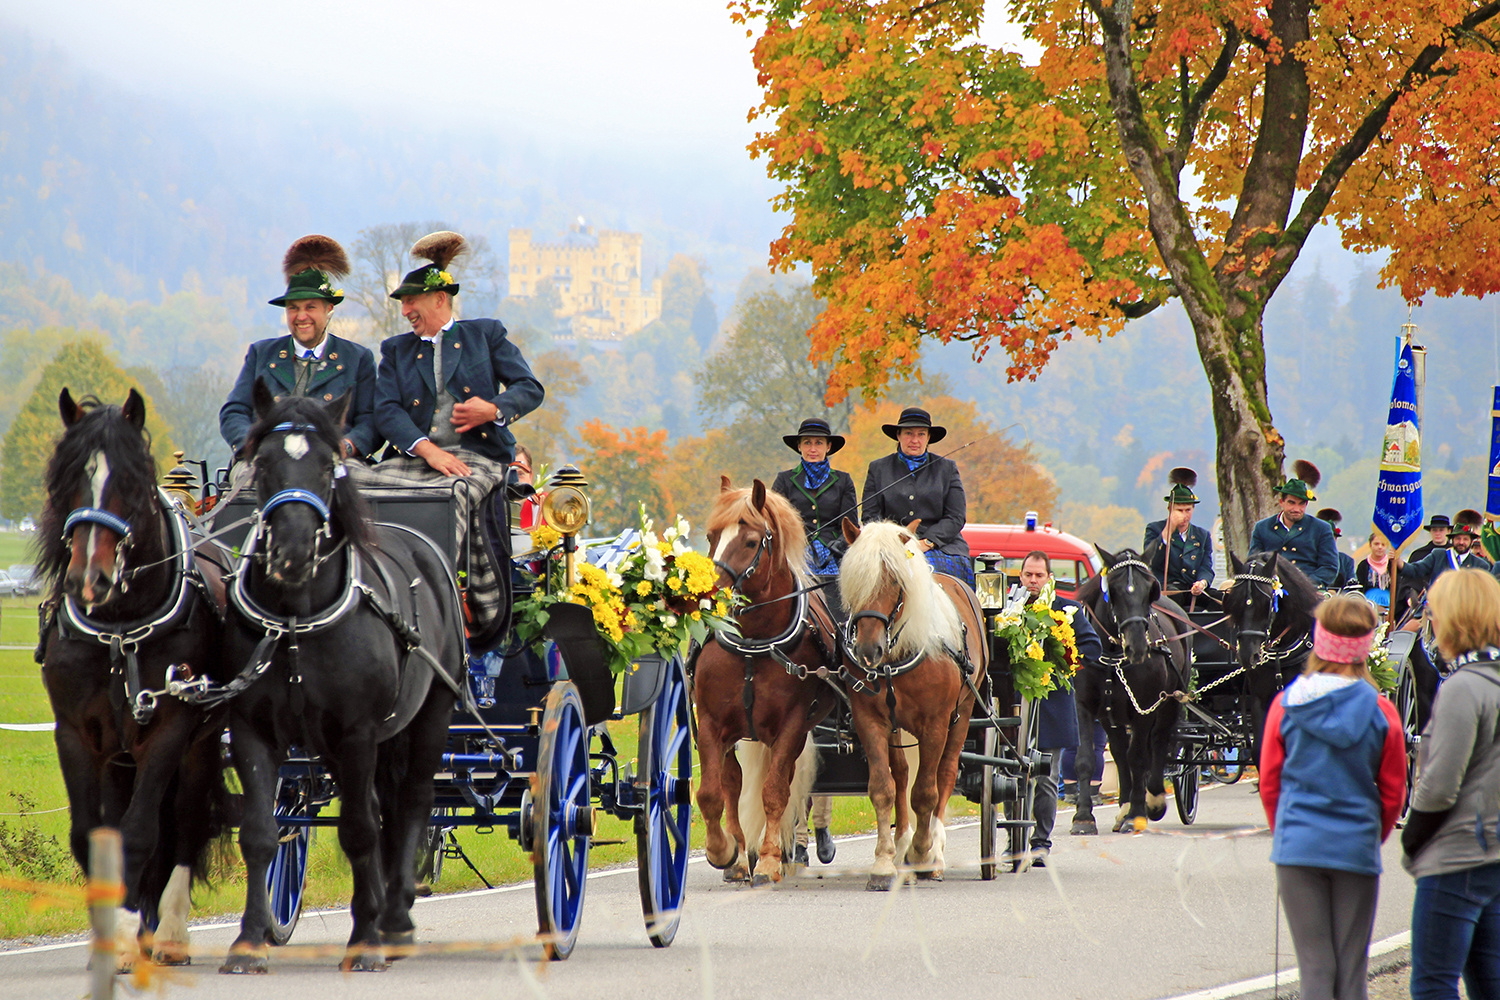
point(442, 248)
point(1307, 472)
point(315, 252)
point(1182, 476)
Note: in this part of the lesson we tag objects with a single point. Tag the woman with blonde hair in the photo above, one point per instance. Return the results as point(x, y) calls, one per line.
point(1452, 835)
point(1332, 779)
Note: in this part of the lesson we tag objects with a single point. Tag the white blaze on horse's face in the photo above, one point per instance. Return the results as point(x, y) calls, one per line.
point(98, 479)
point(295, 445)
point(725, 540)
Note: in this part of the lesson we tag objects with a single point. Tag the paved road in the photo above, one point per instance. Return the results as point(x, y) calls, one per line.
point(1125, 917)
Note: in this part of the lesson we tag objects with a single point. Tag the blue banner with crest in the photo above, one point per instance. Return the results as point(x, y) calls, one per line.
point(1492, 501)
point(1398, 497)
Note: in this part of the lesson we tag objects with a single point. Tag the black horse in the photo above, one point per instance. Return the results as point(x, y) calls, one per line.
point(1270, 606)
point(1130, 690)
point(129, 596)
point(352, 641)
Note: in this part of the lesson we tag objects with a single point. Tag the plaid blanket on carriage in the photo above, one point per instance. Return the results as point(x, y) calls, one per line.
point(488, 601)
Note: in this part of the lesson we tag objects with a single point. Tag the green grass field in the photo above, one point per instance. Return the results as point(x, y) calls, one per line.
point(33, 845)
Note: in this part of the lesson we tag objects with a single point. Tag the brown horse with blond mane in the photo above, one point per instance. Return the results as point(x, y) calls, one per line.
point(760, 688)
point(914, 637)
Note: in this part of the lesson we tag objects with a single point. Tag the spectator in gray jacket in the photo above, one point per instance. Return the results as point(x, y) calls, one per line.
point(1452, 835)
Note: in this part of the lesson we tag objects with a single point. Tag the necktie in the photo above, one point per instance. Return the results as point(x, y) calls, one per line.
point(305, 362)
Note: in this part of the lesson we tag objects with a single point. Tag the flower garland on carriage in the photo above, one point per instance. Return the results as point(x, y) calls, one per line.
point(652, 598)
point(1040, 640)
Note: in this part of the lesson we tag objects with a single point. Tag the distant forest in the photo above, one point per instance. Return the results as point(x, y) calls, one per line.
point(162, 229)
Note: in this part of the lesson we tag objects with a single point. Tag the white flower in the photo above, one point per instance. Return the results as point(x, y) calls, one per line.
point(1070, 611)
point(656, 564)
point(679, 547)
point(615, 579)
point(670, 621)
point(706, 604)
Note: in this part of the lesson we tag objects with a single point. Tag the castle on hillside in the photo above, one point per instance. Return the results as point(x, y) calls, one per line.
point(597, 276)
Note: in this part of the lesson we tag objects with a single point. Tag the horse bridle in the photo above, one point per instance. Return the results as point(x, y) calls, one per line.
point(1127, 564)
point(307, 497)
point(115, 523)
point(737, 579)
point(851, 627)
point(1268, 650)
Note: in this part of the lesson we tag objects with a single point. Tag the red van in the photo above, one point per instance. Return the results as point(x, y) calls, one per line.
point(998, 550)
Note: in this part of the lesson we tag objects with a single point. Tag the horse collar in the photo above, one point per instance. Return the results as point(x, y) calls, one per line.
point(784, 643)
point(273, 624)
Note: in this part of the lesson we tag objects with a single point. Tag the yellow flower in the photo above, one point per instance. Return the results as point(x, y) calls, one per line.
point(643, 588)
point(631, 621)
point(1047, 677)
point(674, 583)
point(1034, 651)
point(697, 616)
point(544, 536)
point(699, 570)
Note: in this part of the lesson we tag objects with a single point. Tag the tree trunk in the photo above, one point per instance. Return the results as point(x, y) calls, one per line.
point(1249, 451)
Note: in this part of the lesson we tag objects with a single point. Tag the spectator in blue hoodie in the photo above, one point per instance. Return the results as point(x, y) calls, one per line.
point(1452, 835)
point(1332, 780)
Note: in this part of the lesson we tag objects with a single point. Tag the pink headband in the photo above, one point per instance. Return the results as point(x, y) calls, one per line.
point(1341, 648)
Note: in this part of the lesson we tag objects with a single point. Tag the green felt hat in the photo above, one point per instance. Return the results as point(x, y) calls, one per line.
point(440, 248)
point(429, 278)
point(312, 267)
point(1305, 476)
point(1183, 480)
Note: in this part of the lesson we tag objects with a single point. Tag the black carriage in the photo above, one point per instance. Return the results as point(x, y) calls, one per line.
point(534, 760)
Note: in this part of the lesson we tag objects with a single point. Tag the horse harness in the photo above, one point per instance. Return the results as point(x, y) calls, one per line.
point(807, 619)
point(1270, 649)
point(397, 610)
point(124, 639)
point(1156, 639)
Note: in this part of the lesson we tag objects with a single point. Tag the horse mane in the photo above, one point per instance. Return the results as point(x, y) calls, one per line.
point(132, 476)
point(929, 621)
point(348, 509)
point(790, 545)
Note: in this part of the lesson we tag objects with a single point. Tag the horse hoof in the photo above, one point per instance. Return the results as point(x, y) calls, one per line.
point(760, 880)
point(1120, 823)
point(931, 875)
point(398, 943)
point(726, 866)
point(364, 961)
point(1140, 824)
point(1084, 828)
point(172, 955)
point(1156, 814)
point(245, 963)
point(880, 883)
point(737, 873)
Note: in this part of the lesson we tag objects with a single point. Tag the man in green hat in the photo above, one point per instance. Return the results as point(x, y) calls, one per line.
point(310, 361)
point(1306, 541)
point(1186, 548)
point(1461, 553)
point(446, 396)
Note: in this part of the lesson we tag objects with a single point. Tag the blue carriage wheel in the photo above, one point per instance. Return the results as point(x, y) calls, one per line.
point(661, 830)
point(562, 819)
point(1185, 782)
point(286, 878)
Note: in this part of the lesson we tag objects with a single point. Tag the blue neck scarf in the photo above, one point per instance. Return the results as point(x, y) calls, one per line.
point(913, 464)
point(817, 473)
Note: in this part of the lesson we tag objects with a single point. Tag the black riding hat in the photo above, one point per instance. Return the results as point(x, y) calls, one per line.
point(1438, 521)
point(814, 428)
point(915, 416)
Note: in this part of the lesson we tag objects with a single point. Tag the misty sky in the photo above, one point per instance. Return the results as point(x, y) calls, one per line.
point(666, 74)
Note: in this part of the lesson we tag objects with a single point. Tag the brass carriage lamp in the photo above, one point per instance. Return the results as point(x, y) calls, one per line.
point(180, 485)
point(566, 508)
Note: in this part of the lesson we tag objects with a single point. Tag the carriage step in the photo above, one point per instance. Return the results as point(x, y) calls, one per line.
point(605, 843)
point(983, 722)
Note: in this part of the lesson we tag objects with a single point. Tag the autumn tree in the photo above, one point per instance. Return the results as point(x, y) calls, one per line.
point(85, 368)
point(1175, 149)
point(621, 466)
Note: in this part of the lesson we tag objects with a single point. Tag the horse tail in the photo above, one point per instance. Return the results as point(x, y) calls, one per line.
point(753, 758)
point(218, 853)
point(804, 771)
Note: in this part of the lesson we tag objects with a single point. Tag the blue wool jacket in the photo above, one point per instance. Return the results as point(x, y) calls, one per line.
point(1332, 775)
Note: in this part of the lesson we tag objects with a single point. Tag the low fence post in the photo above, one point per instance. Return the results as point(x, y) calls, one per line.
point(106, 892)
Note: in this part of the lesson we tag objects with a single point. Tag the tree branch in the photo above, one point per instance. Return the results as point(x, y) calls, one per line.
point(1193, 109)
point(1316, 202)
